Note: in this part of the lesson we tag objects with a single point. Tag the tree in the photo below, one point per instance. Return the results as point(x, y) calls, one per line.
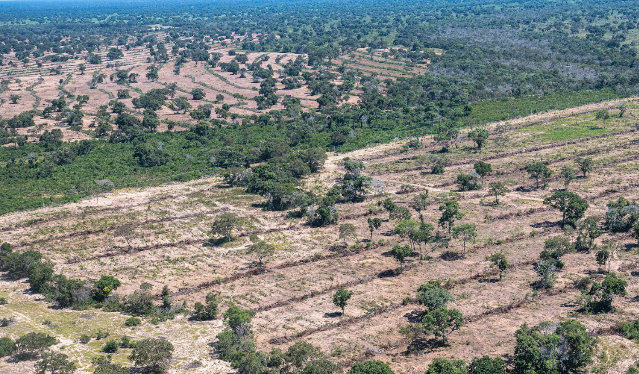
point(14, 98)
point(400, 253)
point(198, 94)
point(444, 366)
point(497, 189)
point(487, 365)
point(125, 231)
point(500, 261)
point(479, 136)
point(347, 230)
point(54, 363)
point(374, 224)
point(571, 205)
point(261, 249)
point(206, 312)
point(585, 164)
point(588, 232)
point(600, 295)
point(539, 171)
point(225, 223)
point(370, 367)
point(236, 316)
point(450, 213)
point(111, 369)
point(103, 287)
point(483, 169)
point(341, 297)
point(219, 98)
point(603, 115)
point(114, 54)
point(433, 296)
point(466, 232)
point(401, 213)
point(568, 174)
point(7, 346)
point(419, 203)
point(467, 182)
point(33, 342)
point(155, 354)
point(553, 348)
point(442, 322)
point(182, 103)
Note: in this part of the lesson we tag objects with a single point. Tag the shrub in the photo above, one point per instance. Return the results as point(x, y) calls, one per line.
point(34, 342)
point(3, 301)
point(111, 369)
point(54, 362)
point(7, 347)
point(110, 347)
point(370, 367)
point(153, 353)
point(132, 321)
point(84, 338)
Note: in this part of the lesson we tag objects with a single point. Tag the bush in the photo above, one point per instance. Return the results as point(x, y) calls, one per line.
point(101, 335)
point(153, 353)
point(111, 369)
point(3, 301)
point(84, 338)
point(370, 367)
point(54, 362)
point(132, 321)
point(7, 347)
point(34, 342)
point(206, 312)
point(110, 347)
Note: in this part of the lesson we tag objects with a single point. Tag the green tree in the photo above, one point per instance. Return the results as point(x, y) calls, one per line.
point(261, 249)
point(219, 98)
point(14, 98)
point(497, 189)
point(483, 169)
point(400, 253)
point(585, 164)
point(487, 365)
point(433, 296)
point(450, 213)
point(374, 224)
point(444, 366)
point(419, 203)
point(225, 223)
point(588, 232)
point(236, 316)
point(598, 299)
point(54, 363)
point(7, 346)
point(571, 205)
point(153, 353)
point(206, 312)
point(500, 261)
point(401, 213)
point(539, 171)
point(198, 94)
point(341, 297)
point(111, 369)
point(33, 342)
point(479, 136)
point(347, 230)
point(103, 287)
point(370, 367)
point(466, 233)
point(568, 174)
point(603, 115)
point(442, 322)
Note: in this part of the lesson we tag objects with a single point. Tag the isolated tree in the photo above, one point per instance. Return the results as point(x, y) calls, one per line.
point(500, 261)
point(153, 353)
point(206, 312)
point(585, 164)
point(82, 68)
point(450, 213)
point(370, 367)
point(588, 232)
point(181, 103)
point(401, 213)
point(571, 205)
point(442, 322)
point(497, 189)
point(419, 203)
point(198, 94)
point(14, 98)
point(111, 369)
point(341, 297)
point(236, 316)
point(54, 363)
point(479, 136)
point(225, 223)
point(125, 231)
point(438, 163)
point(347, 230)
point(603, 256)
point(400, 253)
point(219, 98)
point(33, 342)
point(422, 235)
point(568, 174)
point(603, 115)
point(600, 296)
point(466, 233)
point(374, 224)
point(262, 250)
point(539, 171)
point(114, 53)
point(483, 169)
point(389, 206)
point(622, 109)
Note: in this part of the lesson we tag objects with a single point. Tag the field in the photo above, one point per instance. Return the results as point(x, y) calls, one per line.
point(292, 293)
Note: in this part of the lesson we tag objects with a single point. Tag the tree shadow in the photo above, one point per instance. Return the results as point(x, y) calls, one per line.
point(216, 242)
point(415, 316)
point(488, 280)
point(338, 247)
point(332, 314)
point(545, 224)
point(451, 256)
point(390, 273)
point(419, 345)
